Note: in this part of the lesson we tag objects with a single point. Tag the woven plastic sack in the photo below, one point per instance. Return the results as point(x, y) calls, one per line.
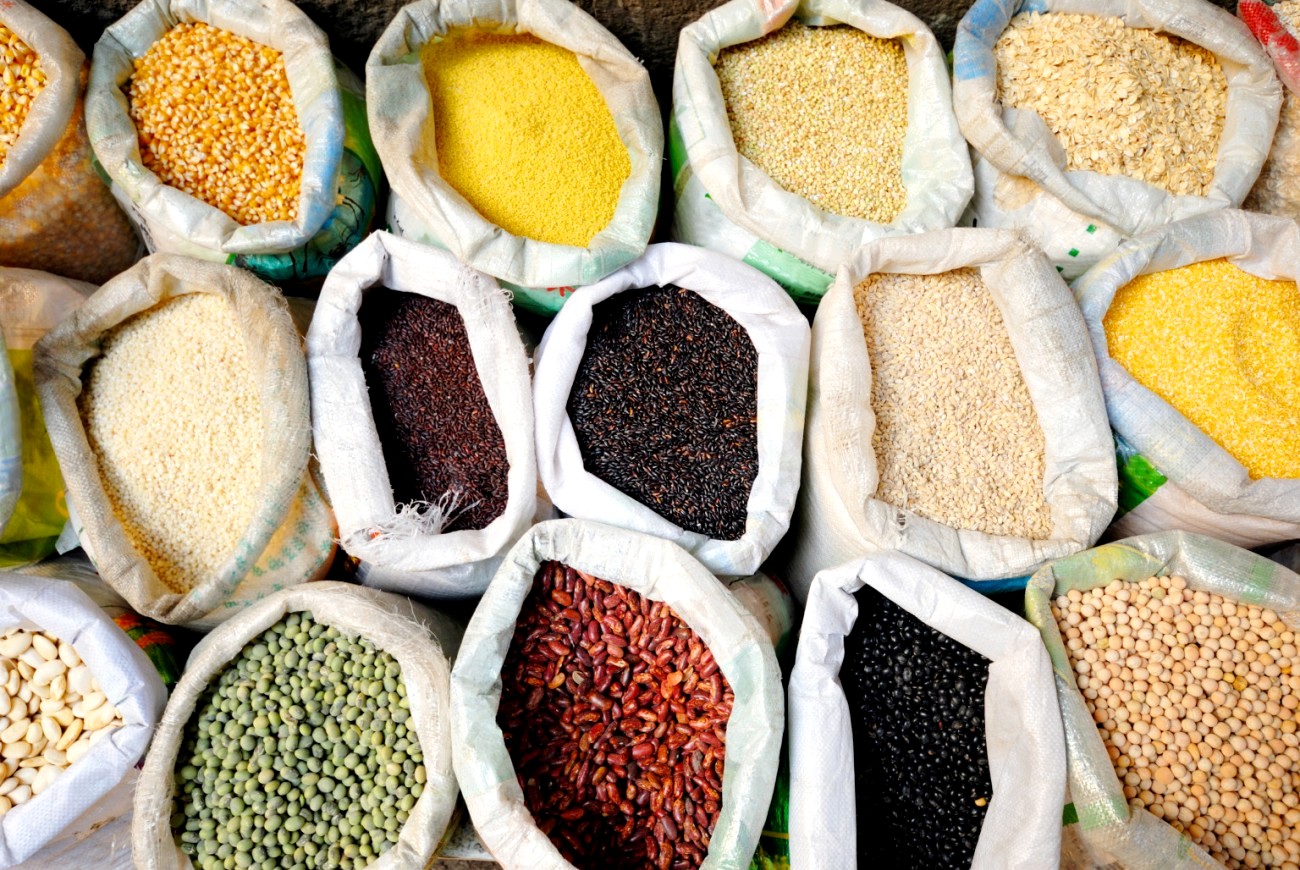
point(11, 455)
point(127, 679)
point(422, 641)
point(660, 571)
point(340, 173)
point(1277, 191)
point(1171, 474)
point(1131, 836)
point(291, 537)
point(838, 517)
point(1026, 748)
point(780, 336)
point(32, 303)
point(1077, 217)
point(726, 203)
point(56, 214)
point(403, 550)
point(1278, 39)
point(427, 209)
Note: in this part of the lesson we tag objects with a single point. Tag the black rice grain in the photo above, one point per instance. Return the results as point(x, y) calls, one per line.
point(665, 407)
point(916, 703)
point(439, 436)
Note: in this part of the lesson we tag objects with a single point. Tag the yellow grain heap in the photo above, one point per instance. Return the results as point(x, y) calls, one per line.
point(216, 120)
point(20, 82)
point(522, 132)
point(823, 111)
point(1223, 348)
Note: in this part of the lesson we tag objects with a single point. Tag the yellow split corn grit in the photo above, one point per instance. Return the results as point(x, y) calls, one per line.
point(1223, 348)
point(21, 79)
point(522, 132)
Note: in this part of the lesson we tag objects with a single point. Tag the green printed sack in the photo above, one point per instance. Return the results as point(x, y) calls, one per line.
point(1113, 831)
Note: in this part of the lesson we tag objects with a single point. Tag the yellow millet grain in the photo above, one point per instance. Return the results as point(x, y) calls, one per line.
point(216, 120)
point(522, 132)
point(957, 438)
point(21, 80)
point(1120, 100)
point(823, 111)
point(174, 415)
point(1223, 348)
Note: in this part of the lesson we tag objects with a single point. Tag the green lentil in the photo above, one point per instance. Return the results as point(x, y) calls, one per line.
point(262, 779)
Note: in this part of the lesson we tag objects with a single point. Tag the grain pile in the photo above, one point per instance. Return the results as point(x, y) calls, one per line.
point(173, 413)
point(216, 120)
point(1277, 191)
point(1195, 698)
point(1120, 100)
point(957, 438)
point(22, 79)
point(1220, 346)
point(823, 111)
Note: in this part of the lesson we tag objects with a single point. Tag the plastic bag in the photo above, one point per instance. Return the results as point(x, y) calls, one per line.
point(1077, 217)
point(397, 551)
point(56, 213)
point(427, 209)
point(838, 517)
point(780, 336)
point(1277, 191)
point(1130, 836)
point(1171, 474)
point(127, 679)
point(31, 303)
point(660, 571)
point(11, 448)
point(726, 203)
point(1026, 748)
point(1278, 40)
point(291, 537)
point(424, 644)
point(340, 174)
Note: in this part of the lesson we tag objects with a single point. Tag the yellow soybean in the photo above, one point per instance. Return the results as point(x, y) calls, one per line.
point(1223, 348)
point(522, 132)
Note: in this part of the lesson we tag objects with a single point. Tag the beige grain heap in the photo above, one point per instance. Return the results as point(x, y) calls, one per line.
point(21, 81)
point(1120, 100)
point(1277, 190)
point(823, 111)
point(216, 120)
point(51, 712)
point(173, 413)
point(1196, 700)
point(957, 439)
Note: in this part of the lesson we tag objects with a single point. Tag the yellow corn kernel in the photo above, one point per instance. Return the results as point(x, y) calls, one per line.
point(21, 79)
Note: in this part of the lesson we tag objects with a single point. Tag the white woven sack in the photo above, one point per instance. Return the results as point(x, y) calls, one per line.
point(780, 336)
point(128, 680)
point(291, 537)
point(402, 549)
point(422, 641)
point(839, 518)
point(431, 211)
point(726, 202)
point(1120, 834)
point(660, 571)
point(1025, 744)
point(176, 222)
point(1207, 490)
point(1077, 216)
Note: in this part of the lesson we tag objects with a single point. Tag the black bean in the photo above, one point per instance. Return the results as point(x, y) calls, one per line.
point(441, 441)
point(665, 407)
point(916, 703)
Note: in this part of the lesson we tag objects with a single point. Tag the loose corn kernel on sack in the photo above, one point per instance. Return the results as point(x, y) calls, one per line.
point(1211, 660)
point(1277, 191)
point(31, 304)
point(1196, 331)
point(283, 193)
point(56, 213)
point(520, 136)
point(919, 439)
point(423, 642)
point(405, 547)
point(800, 131)
point(176, 401)
point(1096, 121)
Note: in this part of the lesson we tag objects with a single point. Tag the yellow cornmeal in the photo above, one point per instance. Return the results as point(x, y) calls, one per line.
point(1223, 348)
point(522, 133)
